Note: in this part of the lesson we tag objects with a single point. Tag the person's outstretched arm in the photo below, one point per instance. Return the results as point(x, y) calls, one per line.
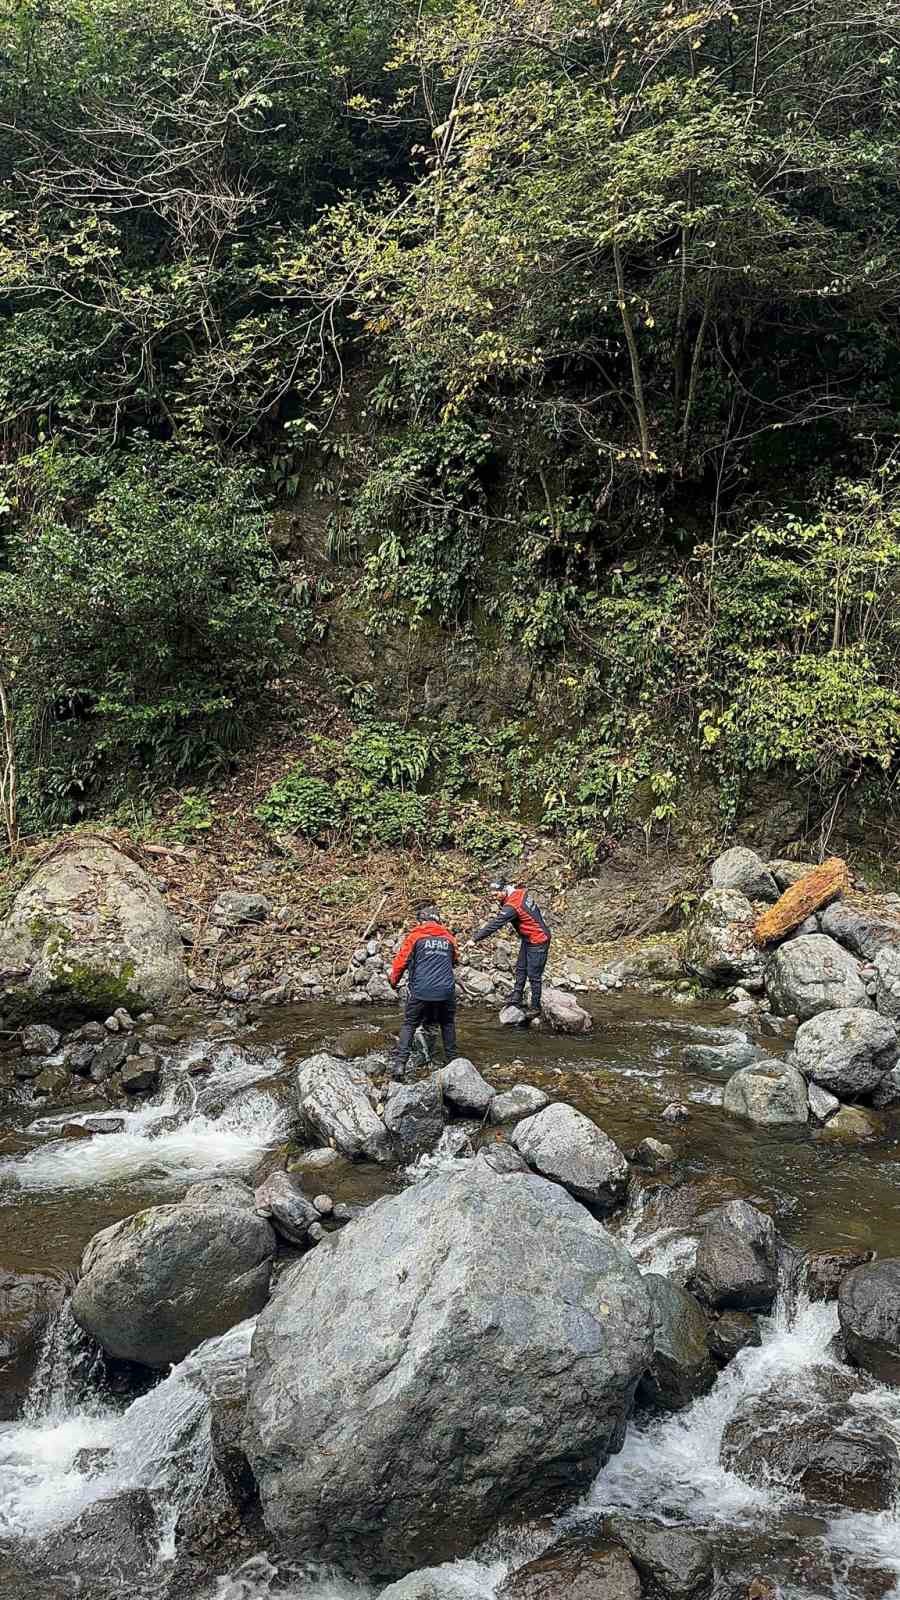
point(496, 923)
point(401, 960)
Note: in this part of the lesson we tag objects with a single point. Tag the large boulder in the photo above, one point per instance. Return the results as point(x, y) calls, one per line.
point(718, 946)
point(468, 1349)
point(561, 1010)
point(523, 1100)
point(743, 870)
point(737, 1259)
point(27, 1301)
point(887, 981)
point(674, 1562)
point(864, 932)
point(869, 1312)
point(414, 1115)
point(810, 974)
point(158, 1284)
point(464, 1090)
point(682, 1367)
point(815, 1445)
point(334, 1102)
point(769, 1092)
point(562, 1144)
point(90, 932)
point(577, 1572)
point(848, 1051)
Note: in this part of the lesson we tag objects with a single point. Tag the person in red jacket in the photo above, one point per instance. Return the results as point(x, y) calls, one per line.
point(520, 910)
point(429, 953)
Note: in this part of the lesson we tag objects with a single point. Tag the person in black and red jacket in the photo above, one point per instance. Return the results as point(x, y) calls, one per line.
point(520, 910)
point(429, 953)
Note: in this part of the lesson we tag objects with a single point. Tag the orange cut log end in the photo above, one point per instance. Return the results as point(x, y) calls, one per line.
point(804, 897)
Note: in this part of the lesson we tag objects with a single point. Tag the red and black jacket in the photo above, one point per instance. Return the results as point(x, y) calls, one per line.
point(522, 910)
point(429, 954)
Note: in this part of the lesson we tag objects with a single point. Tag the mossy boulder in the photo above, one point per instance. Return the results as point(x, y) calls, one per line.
point(89, 932)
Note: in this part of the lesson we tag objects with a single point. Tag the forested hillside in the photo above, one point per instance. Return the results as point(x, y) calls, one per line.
point(518, 380)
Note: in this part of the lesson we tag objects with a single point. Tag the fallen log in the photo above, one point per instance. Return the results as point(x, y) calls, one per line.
point(807, 895)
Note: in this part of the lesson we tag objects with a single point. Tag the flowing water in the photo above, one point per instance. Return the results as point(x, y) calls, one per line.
point(77, 1441)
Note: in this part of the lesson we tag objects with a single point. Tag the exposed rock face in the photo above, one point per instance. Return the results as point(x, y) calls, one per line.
point(465, 1091)
point(503, 1337)
point(115, 1536)
point(887, 981)
point(847, 1052)
point(731, 1333)
point(334, 1102)
point(682, 1367)
point(869, 1311)
point(562, 1144)
point(812, 974)
point(862, 932)
point(743, 870)
point(814, 1445)
point(578, 1572)
point(737, 1263)
point(825, 1272)
point(675, 1563)
point(521, 1101)
point(158, 1284)
point(563, 1013)
point(719, 944)
point(414, 1115)
point(822, 1105)
point(27, 1301)
point(90, 932)
point(281, 1200)
point(769, 1092)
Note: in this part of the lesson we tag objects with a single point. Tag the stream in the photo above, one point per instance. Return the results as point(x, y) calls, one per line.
point(77, 1441)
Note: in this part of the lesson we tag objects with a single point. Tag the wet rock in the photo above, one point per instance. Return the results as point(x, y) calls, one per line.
point(811, 974)
point(676, 1112)
point(563, 1013)
point(512, 1017)
point(887, 1095)
point(503, 1158)
point(887, 981)
point(825, 1272)
point(822, 1105)
point(415, 1428)
point(103, 1125)
point(852, 1123)
point(324, 1204)
point(114, 1537)
point(465, 1091)
point(154, 1286)
point(862, 932)
point(52, 1082)
point(869, 1312)
point(283, 1202)
point(743, 870)
point(430, 1583)
point(91, 932)
point(737, 1259)
point(653, 1155)
point(736, 1052)
point(74, 1130)
point(768, 1093)
point(335, 1105)
point(111, 1058)
point(676, 1564)
point(234, 907)
point(562, 1144)
point(156, 1033)
point(140, 1074)
point(847, 1051)
point(718, 943)
point(521, 1101)
point(576, 1572)
point(772, 1027)
point(813, 1447)
point(27, 1301)
point(39, 1039)
point(315, 1160)
point(80, 1057)
point(29, 1067)
point(681, 1367)
point(731, 1333)
point(414, 1116)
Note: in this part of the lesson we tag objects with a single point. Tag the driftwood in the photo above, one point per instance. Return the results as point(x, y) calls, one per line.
point(804, 897)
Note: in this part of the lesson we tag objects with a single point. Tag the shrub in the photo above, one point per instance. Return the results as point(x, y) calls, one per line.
point(298, 803)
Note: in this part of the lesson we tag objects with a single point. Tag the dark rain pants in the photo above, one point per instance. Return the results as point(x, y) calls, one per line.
point(427, 1013)
point(531, 963)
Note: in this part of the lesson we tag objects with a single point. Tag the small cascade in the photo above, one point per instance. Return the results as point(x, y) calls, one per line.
point(69, 1371)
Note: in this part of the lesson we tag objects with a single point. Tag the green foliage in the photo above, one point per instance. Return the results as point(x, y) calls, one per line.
point(487, 837)
point(193, 817)
point(298, 803)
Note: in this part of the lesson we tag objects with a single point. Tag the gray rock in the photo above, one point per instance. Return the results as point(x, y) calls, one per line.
point(787, 873)
point(824, 1272)
point(887, 981)
point(673, 1561)
point(324, 1204)
point(737, 1265)
point(682, 1366)
point(465, 1091)
point(862, 932)
point(283, 1202)
point(869, 1312)
point(430, 1583)
point(770, 1092)
point(316, 1160)
point(222, 1191)
point(416, 1448)
point(414, 1116)
point(91, 932)
point(813, 1446)
point(848, 1051)
point(233, 907)
point(563, 1013)
point(562, 1144)
point(335, 1105)
point(851, 1123)
point(572, 1570)
point(718, 944)
point(772, 1027)
point(653, 1155)
point(822, 1105)
point(53, 1081)
point(27, 1301)
point(887, 1094)
point(154, 1286)
point(113, 1538)
point(140, 1074)
point(104, 1125)
point(503, 1158)
point(812, 974)
point(675, 1112)
point(111, 1058)
point(80, 1058)
point(521, 1101)
point(512, 1017)
point(732, 1332)
point(738, 1051)
point(743, 870)
point(39, 1039)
